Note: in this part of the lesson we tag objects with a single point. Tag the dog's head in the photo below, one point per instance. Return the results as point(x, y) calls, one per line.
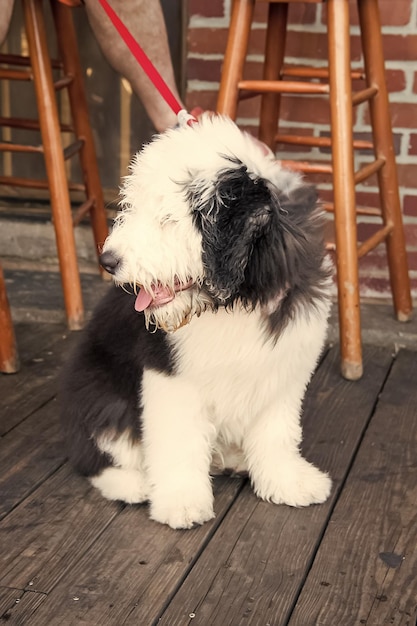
point(208, 218)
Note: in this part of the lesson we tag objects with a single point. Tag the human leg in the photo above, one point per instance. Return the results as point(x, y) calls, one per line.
point(6, 14)
point(145, 21)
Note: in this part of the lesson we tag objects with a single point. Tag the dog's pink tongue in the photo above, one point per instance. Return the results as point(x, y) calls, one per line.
point(143, 300)
point(160, 296)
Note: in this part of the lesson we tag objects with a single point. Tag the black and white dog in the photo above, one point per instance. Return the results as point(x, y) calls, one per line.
point(202, 353)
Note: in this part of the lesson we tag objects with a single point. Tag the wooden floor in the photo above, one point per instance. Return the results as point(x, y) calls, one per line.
point(68, 557)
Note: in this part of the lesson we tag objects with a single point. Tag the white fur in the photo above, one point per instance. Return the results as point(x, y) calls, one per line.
point(247, 397)
point(127, 480)
point(237, 391)
point(252, 395)
point(118, 483)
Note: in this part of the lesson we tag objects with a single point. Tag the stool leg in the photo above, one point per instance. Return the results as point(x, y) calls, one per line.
point(235, 55)
point(9, 360)
point(344, 188)
point(274, 59)
point(387, 176)
point(54, 162)
point(68, 46)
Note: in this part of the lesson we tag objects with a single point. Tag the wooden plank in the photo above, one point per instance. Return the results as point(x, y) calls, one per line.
point(134, 560)
point(28, 455)
point(17, 600)
point(366, 569)
point(36, 383)
point(8, 598)
point(32, 339)
point(255, 565)
point(50, 531)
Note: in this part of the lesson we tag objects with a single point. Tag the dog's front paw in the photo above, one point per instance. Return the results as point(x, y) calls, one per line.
point(182, 510)
point(298, 483)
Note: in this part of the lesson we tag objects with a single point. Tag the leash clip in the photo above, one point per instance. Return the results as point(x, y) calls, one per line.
point(186, 119)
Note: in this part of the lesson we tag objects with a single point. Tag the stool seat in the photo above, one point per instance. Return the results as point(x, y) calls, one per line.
point(335, 81)
point(39, 68)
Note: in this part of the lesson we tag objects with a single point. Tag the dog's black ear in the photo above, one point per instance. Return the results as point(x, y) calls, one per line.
point(232, 213)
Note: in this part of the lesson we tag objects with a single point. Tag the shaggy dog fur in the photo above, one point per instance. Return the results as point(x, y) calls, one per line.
point(220, 251)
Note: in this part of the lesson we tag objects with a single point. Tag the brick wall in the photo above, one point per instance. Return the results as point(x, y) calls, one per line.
point(207, 34)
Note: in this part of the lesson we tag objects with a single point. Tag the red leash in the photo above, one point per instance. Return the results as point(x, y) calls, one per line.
point(147, 66)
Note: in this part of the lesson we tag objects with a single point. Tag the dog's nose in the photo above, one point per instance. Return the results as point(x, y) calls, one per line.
point(109, 261)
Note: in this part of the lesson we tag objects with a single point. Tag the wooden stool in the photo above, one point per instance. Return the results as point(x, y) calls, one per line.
point(37, 67)
point(339, 89)
point(9, 360)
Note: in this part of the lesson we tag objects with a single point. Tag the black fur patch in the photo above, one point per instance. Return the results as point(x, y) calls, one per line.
point(259, 242)
point(100, 389)
point(231, 221)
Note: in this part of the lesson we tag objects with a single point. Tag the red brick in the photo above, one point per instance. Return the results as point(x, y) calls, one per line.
point(313, 45)
point(398, 16)
point(380, 285)
point(257, 41)
point(214, 8)
point(412, 261)
point(403, 115)
point(407, 175)
point(203, 69)
point(389, 17)
point(410, 205)
point(250, 108)
point(207, 40)
point(210, 69)
point(253, 70)
point(299, 13)
point(302, 13)
point(411, 235)
point(412, 144)
point(260, 14)
point(395, 80)
point(207, 100)
point(415, 83)
point(399, 47)
point(368, 199)
point(305, 44)
point(310, 110)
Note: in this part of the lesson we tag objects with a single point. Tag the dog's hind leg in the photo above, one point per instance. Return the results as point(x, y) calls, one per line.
point(126, 479)
point(118, 483)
